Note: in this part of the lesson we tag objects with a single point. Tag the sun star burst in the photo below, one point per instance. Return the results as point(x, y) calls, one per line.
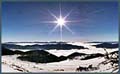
point(60, 22)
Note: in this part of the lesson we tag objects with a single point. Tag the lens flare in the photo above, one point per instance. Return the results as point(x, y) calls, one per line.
point(60, 22)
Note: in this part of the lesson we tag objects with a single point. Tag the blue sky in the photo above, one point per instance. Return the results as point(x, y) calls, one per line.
point(21, 21)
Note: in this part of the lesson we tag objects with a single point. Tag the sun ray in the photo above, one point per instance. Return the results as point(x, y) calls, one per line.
point(61, 33)
point(52, 14)
point(60, 10)
point(68, 14)
point(74, 21)
point(47, 22)
point(68, 29)
point(54, 28)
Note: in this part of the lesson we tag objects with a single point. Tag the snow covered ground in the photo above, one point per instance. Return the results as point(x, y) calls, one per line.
point(10, 63)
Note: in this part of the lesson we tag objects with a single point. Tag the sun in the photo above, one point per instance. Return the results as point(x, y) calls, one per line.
point(60, 21)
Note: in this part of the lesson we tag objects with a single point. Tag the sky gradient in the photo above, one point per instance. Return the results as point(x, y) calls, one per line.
point(22, 21)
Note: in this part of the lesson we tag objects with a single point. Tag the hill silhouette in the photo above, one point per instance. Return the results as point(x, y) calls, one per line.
point(40, 56)
point(107, 45)
point(6, 51)
point(73, 55)
point(57, 46)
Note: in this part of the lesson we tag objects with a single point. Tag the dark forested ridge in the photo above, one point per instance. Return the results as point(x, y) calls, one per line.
point(107, 45)
point(57, 46)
